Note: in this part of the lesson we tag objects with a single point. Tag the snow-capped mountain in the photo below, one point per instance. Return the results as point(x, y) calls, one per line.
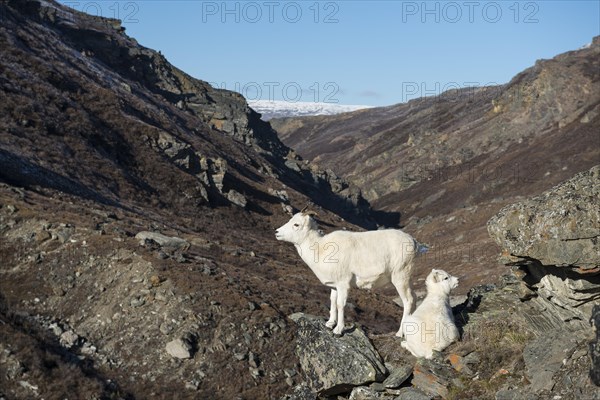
point(280, 109)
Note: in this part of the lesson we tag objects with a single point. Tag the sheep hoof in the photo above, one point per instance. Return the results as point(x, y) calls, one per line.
point(404, 344)
point(330, 324)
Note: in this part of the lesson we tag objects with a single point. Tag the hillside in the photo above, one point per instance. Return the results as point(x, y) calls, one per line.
point(102, 139)
point(448, 163)
point(137, 250)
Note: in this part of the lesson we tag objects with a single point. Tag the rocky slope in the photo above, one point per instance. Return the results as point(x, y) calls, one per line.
point(527, 337)
point(72, 78)
point(137, 209)
point(137, 257)
point(450, 162)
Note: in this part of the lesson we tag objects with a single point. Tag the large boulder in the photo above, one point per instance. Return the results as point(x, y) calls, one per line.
point(554, 239)
point(332, 364)
point(559, 227)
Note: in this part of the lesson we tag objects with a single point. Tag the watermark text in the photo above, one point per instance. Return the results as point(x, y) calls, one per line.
point(453, 12)
point(126, 11)
point(253, 12)
point(292, 92)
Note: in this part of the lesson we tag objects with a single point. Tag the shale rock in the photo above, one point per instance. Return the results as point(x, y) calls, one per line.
point(334, 365)
point(559, 227)
point(433, 377)
point(398, 375)
point(171, 242)
point(554, 238)
point(543, 358)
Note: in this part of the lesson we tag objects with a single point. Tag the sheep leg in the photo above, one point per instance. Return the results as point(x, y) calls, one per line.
point(401, 284)
point(332, 310)
point(342, 295)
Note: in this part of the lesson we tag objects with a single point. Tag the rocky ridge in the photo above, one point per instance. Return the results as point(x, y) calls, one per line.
point(91, 60)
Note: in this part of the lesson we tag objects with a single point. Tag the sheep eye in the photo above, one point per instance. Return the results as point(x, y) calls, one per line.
point(296, 225)
point(446, 278)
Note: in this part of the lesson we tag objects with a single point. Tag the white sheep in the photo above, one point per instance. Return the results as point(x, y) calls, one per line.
point(344, 259)
point(431, 327)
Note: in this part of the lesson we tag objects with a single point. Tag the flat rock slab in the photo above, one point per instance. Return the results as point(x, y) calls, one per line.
point(334, 364)
point(163, 240)
point(398, 375)
point(433, 377)
point(544, 356)
point(411, 394)
point(179, 348)
point(367, 393)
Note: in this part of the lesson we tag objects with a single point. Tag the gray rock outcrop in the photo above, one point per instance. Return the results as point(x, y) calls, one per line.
point(544, 357)
point(560, 227)
point(237, 198)
point(334, 365)
point(170, 242)
point(552, 242)
point(554, 238)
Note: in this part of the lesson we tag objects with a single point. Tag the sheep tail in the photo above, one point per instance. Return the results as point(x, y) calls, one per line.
point(420, 248)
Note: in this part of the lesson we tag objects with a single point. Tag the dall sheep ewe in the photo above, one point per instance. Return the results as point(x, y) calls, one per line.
point(344, 259)
point(431, 327)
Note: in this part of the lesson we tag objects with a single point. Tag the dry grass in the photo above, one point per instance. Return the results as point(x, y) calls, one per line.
point(500, 345)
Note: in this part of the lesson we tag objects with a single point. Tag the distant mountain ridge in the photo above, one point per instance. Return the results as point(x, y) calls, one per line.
point(281, 109)
point(118, 62)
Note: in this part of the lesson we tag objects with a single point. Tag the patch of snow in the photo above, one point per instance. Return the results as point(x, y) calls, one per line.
point(280, 109)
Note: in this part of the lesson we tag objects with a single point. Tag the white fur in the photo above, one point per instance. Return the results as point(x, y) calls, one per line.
point(431, 326)
point(343, 259)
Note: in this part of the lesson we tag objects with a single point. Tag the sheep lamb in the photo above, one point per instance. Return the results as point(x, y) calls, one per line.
point(431, 327)
point(344, 259)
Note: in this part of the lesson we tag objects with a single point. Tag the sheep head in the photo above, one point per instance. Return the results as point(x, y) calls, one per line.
point(441, 282)
point(297, 228)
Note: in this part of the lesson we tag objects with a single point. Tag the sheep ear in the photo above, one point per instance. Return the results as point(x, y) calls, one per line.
point(436, 275)
point(305, 211)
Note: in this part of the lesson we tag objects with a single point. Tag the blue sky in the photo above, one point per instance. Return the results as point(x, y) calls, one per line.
point(353, 52)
